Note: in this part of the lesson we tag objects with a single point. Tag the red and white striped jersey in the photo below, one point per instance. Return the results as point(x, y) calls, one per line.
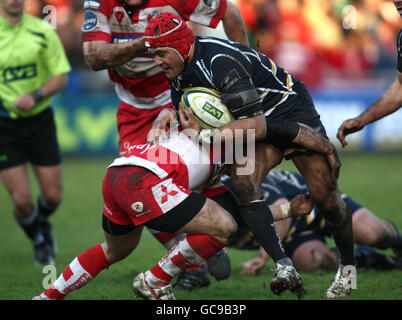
point(139, 82)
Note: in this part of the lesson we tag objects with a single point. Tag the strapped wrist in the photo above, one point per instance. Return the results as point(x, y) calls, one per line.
point(285, 209)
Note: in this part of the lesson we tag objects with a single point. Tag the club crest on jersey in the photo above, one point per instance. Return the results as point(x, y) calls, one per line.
point(90, 21)
point(119, 16)
point(213, 111)
point(137, 206)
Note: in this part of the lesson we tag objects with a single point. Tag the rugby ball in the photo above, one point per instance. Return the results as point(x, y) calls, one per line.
point(208, 109)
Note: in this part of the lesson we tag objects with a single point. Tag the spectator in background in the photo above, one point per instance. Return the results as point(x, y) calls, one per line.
point(388, 103)
point(316, 30)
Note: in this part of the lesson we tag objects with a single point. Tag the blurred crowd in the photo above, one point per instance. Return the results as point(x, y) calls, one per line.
point(312, 39)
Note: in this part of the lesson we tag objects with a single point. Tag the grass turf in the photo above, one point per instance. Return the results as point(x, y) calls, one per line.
point(373, 180)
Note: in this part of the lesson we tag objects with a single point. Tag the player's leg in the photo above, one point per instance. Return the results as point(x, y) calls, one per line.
point(50, 182)
point(16, 181)
point(259, 219)
point(253, 210)
point(120, 242)
point(326, 196)
point(191, 278)
point(371, 231)
point(207, 229)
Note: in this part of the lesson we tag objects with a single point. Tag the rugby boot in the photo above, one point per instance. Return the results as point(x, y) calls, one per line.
point(192, 279)
point(143, 290)
point(341, 284)
point(287, 278)
point(219, 265)
point(43, 255)
point(41, 296)
point(50, 240)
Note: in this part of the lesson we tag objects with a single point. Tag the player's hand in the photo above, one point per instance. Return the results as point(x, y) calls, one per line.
point(253, 266)
point(301, 205)
point(166, 117)
point(187, 120)
point(25, 102)
point(347, 127)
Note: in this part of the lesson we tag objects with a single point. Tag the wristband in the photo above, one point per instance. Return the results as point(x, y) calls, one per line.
point(37, 95)
point(285, 208)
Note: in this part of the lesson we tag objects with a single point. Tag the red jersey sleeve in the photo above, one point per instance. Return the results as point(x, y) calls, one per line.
point(204, 12)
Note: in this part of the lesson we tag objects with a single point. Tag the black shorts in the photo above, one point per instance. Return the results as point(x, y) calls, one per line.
point(170, 221)
point(301, 238)
point(179, 216)
point(30, 139)
point(304, 112)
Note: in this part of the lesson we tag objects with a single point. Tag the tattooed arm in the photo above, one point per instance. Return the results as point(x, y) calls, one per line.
point(101, 55)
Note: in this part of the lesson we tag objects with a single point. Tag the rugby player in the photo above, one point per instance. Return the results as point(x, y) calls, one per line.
point(151, 184)
point(263, 97)
point(112, 40)
point(304, 237)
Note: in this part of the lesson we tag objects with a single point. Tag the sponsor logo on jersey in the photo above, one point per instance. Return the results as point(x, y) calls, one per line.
point(168, 195)
point(19, 73)
point(92, 4)
point(213, 111)
point(90, 21)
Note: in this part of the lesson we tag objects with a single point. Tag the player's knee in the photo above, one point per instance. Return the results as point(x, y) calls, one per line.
point(378, 236)
point(333, 208)
point(22, 203)
point(114, 254)
point(245, 189)
point(227, 230)
point(53, 197)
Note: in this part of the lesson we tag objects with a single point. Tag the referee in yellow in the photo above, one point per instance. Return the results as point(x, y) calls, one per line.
point(33, 67)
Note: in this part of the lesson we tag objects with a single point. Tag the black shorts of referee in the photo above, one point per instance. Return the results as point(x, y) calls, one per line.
point(32, 139)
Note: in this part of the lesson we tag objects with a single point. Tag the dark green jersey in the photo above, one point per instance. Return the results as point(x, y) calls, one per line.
point(31, 53)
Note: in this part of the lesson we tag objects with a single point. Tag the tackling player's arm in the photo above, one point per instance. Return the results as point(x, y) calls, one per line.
point(99, 51)
point(101, 55)
point(234, 25)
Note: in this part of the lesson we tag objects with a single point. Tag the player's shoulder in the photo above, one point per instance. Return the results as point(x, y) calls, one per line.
point(34, 23)
point(39, 27)
point(104, 6)
point(399, 41)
